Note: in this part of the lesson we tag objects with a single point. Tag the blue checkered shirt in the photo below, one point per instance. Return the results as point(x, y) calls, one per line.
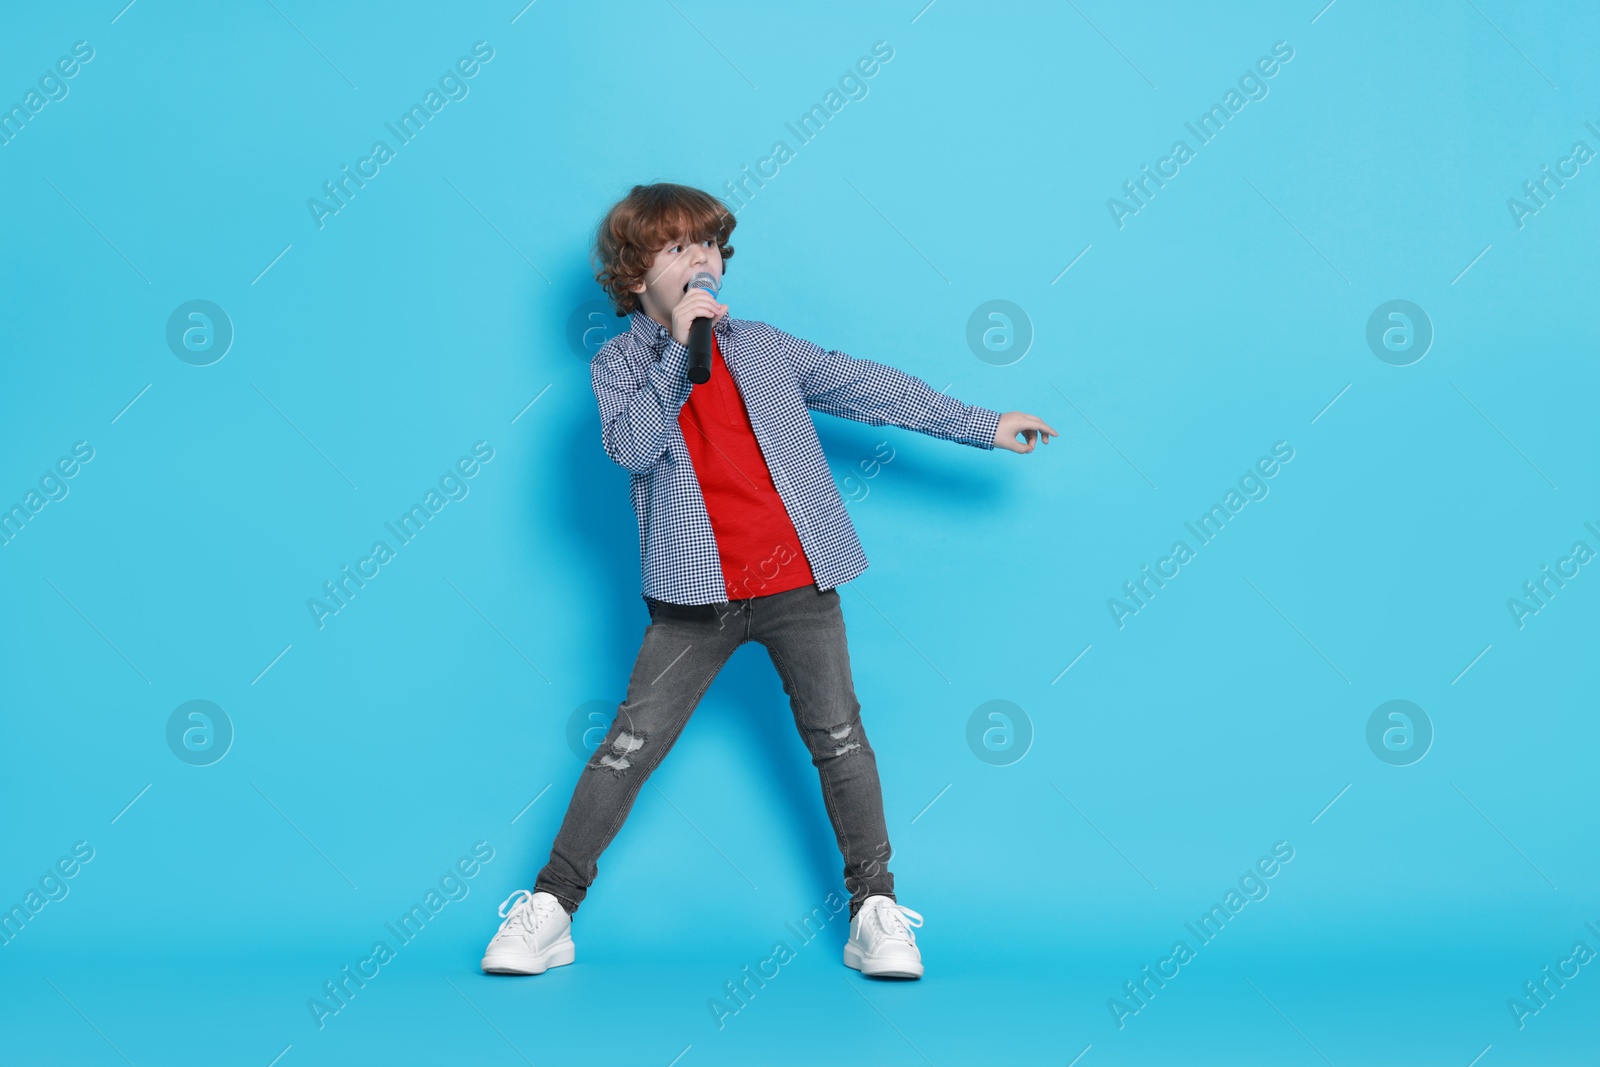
point(641, 382)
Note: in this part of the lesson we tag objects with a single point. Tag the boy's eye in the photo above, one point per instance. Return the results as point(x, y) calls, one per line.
point(708, 242)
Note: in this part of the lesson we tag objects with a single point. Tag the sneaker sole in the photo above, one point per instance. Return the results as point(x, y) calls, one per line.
point(880, 968)
point(557, 955)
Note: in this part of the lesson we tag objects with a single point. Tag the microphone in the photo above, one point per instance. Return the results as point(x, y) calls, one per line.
point(700, 332)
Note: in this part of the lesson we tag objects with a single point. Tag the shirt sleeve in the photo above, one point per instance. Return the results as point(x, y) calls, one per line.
point(636, 415)
point(880, 395)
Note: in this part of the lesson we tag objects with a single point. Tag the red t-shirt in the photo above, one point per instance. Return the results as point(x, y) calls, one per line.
point(756, 539)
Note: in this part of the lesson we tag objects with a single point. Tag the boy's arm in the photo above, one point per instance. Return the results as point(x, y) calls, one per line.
point(636, 417)
point(878, 394)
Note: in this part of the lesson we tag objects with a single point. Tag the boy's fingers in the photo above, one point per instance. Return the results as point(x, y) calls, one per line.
point(1032, 429)
point(1045, 429)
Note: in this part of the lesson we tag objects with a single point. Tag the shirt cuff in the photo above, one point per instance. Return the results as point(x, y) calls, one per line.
point(675, 365)
point(981, 426)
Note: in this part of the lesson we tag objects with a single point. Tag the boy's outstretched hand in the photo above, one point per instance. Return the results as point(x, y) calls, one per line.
point(1015, 422)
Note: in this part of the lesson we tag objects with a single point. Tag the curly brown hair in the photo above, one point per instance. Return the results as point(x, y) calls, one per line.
point(640, 225)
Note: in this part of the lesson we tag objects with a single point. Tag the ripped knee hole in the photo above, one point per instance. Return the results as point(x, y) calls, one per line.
point(840, 734)
point(622, 746)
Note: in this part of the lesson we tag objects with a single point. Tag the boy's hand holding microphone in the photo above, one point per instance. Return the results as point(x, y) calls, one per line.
point(691, 323)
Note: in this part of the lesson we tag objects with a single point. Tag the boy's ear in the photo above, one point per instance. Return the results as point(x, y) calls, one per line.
point(639, 288)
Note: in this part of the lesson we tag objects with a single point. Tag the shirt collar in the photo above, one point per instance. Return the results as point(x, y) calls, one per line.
point(655, 335)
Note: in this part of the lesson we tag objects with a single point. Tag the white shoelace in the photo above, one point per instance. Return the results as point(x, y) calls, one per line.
point(892, 917)
point(521, 913)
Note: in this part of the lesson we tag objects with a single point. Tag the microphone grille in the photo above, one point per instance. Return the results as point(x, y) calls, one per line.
point(703, 279)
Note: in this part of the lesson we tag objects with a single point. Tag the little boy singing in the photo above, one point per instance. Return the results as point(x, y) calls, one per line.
point(742, 537)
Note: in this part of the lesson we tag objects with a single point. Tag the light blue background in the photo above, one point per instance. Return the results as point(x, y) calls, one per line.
point(434, 309)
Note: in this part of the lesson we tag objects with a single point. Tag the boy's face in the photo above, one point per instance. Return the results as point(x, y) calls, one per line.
point(674, 264)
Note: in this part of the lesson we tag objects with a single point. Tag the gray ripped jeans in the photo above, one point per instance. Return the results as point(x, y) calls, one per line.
point(683, 650)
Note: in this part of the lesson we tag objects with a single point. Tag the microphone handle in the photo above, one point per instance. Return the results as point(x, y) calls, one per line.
point(700, 351)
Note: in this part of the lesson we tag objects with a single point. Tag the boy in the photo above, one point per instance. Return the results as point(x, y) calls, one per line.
point(742, 537)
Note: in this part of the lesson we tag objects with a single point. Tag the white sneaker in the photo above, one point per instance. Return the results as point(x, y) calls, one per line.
point(881, 943)
point(536, 935)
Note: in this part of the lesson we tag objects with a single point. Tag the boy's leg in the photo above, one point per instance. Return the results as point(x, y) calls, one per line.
point(683, 649)
point(803, 631)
